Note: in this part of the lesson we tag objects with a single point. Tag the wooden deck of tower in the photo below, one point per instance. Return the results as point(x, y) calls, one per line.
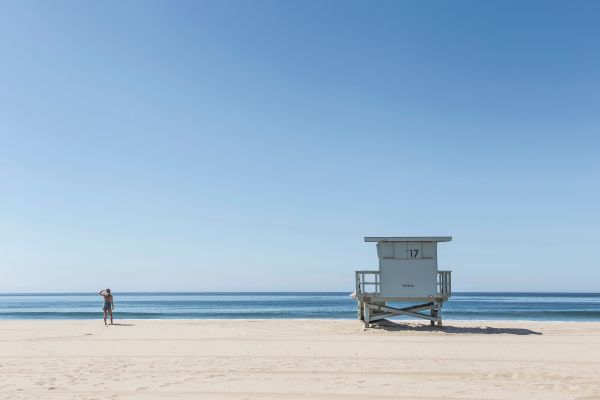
point(408, 273)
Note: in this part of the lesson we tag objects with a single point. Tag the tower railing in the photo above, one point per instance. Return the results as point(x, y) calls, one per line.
point(363, 284)
point(444, 283)
point(368, 282)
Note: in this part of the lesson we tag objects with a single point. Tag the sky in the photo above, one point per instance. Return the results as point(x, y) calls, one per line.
point(251, 145)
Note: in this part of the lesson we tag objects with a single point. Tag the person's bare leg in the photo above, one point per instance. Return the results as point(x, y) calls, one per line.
point(104, 317)
point(111, 321)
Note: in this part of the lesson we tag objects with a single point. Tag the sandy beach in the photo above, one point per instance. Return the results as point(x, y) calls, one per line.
point(298, 359)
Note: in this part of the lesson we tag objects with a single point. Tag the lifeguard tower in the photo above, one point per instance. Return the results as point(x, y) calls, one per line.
point(408, 273)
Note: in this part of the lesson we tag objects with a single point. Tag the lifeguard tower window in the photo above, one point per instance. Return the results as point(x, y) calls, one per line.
point(406, 250)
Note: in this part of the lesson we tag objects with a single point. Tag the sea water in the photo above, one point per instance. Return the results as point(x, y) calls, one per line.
point(510, 306)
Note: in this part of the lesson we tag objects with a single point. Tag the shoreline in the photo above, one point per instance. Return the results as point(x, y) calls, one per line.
point(400, 321)
point(284, 305)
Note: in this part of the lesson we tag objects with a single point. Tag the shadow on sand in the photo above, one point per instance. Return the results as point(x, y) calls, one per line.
point(480, 330)
point(119, 324)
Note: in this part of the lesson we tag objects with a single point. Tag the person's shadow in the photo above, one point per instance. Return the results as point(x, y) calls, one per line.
point(388, 325)
point(120, 324)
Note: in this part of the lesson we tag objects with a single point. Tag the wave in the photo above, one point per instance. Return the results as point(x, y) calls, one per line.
point(463, 314)
point(188, 315)
point(473, 306)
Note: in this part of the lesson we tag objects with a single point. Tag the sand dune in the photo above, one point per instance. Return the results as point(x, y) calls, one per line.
point(292, 359)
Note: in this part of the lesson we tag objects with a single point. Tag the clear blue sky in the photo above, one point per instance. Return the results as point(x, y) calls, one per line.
point(250, 145)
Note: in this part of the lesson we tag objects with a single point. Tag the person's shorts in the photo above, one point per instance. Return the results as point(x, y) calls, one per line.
point(106, 307)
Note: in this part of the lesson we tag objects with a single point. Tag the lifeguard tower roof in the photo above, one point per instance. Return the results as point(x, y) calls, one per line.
point(409, 239)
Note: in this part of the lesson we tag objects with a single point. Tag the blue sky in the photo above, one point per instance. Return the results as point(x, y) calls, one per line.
point(251, 145)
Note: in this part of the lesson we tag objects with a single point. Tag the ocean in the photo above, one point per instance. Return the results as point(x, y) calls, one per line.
point(261, 305)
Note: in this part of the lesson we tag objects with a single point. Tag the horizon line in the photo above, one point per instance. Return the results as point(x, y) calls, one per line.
point(288, 292)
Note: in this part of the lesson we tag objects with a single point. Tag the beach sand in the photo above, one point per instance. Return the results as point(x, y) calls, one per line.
point(298, 359)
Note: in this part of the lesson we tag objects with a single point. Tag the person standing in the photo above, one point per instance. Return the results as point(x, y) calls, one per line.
point(109, 304)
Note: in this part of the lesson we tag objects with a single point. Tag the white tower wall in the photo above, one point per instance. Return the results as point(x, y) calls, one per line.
point(408, 269)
